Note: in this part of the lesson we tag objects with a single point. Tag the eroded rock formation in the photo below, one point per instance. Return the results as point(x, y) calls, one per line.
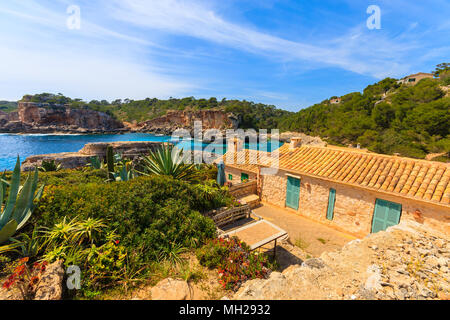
point(173, 120)
point(70, 160)
point(44, 118)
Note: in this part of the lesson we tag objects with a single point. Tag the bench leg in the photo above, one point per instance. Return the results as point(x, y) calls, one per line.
point(275, 250)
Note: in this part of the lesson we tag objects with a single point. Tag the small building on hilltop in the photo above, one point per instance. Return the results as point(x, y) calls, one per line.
point(415, 78)
point(352, 190)
point(335, 100)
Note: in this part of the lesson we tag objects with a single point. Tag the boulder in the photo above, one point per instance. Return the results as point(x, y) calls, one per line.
point(51, 285)
point(170, 289)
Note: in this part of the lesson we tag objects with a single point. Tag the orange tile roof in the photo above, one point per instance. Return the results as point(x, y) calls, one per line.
point(416, 179)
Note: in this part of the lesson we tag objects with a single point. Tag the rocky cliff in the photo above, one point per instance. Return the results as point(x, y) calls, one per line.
point(44, 118)
point(407, 262)
point(173, 120)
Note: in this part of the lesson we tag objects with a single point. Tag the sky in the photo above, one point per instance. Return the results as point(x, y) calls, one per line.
point(289, 53)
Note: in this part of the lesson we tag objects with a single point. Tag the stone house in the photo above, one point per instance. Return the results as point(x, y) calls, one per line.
point(415, 78)
point(335, 100)
point(351, 190)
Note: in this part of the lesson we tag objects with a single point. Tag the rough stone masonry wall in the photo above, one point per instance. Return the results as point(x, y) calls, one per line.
point(354, 207)
point(244, 189)
point(237, 175)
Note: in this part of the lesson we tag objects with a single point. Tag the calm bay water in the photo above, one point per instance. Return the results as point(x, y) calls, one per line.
point(28, 145)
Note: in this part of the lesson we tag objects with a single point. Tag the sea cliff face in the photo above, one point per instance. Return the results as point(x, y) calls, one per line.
point(173, 120)
point(43, 118)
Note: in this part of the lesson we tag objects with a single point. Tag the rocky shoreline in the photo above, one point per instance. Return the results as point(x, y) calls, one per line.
point(71, 160)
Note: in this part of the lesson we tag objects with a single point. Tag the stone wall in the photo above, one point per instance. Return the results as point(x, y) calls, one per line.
point(236, 173)
point(243, 189)
point(354, 207)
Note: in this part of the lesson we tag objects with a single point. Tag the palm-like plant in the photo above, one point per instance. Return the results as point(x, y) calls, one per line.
point(49, 166)
point(168, 161)
point(19, 206)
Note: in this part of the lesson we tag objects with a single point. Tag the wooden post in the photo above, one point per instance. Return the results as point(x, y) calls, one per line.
point(275, 250)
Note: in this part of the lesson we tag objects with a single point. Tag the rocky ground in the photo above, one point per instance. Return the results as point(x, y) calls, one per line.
point(407, 262)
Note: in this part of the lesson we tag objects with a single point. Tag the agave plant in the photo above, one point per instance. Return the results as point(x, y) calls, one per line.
point(20, 204)
point(49, 166)
point(95, 163)
point(168, 161)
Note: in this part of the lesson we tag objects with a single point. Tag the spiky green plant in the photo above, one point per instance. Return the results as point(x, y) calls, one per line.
point(110, 163)
point(29, 246)
point(168, 161)
point(49, 166)
point(20, 204)
point(95, 163)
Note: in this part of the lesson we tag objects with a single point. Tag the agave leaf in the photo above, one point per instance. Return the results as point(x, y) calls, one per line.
point(22, 200)
point(15, 184)
point(8, 230)
point(2, 193)
point(11, 247)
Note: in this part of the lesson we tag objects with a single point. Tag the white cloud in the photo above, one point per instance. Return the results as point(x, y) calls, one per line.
point(358, 51)
point(44, 56)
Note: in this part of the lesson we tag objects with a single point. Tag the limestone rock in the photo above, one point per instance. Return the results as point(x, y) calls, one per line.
point(406, 265)
point(170, 289)
point(70, 160)
point(51, 285)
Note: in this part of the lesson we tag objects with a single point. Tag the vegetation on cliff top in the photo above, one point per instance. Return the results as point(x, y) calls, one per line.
point(386, 117)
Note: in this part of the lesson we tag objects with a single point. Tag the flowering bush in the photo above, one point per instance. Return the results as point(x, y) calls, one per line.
point(25, 278)
point(234, 261)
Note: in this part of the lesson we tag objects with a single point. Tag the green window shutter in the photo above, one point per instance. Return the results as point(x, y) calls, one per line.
point(230, 177)
point(386, 214)
point(331, 201)
point(244, 177)
point(293, 192)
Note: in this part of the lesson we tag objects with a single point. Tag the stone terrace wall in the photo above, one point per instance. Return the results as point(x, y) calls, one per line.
point(243, 189)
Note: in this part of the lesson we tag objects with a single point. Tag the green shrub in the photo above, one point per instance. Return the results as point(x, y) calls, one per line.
point(234, 261)
point(149, 214)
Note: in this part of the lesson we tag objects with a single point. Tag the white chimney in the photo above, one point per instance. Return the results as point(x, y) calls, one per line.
point(295, 143)
point(238, 144)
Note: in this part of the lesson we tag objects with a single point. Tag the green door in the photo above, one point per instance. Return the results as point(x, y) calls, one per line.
point(244, 177)
point(292, 192)
point(385, 215)
point(331, 201)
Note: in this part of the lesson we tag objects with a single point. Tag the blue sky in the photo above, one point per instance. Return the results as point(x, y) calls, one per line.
point(288, 53)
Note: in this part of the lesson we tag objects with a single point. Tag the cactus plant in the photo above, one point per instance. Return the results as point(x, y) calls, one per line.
point(19, 206)
point(110, 163)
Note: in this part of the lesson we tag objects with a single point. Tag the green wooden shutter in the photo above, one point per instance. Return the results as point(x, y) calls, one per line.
point(331, 201)
point(386, 214)
point(244, 177)
point(230, 177)
point(292, 192)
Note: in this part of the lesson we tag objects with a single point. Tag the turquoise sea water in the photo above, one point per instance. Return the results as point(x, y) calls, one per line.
point(28, 145)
